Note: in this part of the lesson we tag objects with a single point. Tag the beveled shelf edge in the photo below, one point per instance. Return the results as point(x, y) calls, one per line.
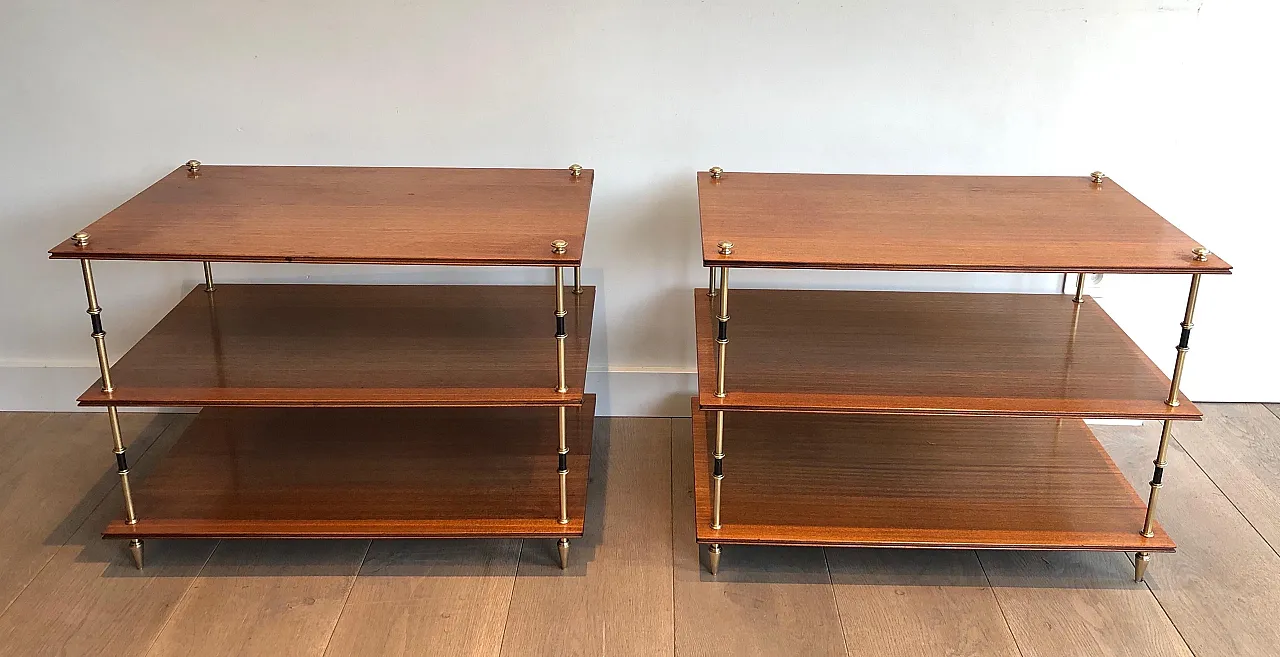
point(66, 251)
point(369, 529)
point(766, 403)
point(1160, 543)
point(731, 262)
point(458, 398)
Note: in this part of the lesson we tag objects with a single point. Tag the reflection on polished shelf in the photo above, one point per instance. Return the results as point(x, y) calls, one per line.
point(928, 420)
point(356, 411)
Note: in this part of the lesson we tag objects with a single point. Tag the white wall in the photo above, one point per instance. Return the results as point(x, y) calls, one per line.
point(1170, 97)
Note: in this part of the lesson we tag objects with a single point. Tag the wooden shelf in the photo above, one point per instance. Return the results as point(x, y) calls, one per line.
point(365, 473)
point(367, 215)
point(936, 482)
point(350, 345)
point(945, 223)
point(927, 353)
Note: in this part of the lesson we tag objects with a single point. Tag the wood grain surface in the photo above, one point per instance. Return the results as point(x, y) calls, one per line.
point(894, 481)
point(944, 223)
point(357, 345)
point(928, 353)
point(369, 215)
point(365, 473)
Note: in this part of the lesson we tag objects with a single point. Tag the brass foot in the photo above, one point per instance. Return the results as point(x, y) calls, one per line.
point(563, 548)
point(713, 559)
point(1140, 562)
point(135, 550)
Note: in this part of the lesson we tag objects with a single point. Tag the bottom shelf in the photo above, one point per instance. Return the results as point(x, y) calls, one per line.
point(911, 481)
point(366, 473)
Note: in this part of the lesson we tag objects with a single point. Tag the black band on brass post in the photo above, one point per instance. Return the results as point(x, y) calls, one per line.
point(723, 335)
point(718, 468)
point(97, 324)
point(1186, 338)
point(560, 332)
point(122, 464)
point(564, 463)
point(1158, 477)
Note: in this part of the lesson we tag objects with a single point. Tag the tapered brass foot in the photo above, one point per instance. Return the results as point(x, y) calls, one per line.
point(713, 559)
point(563, 548)
point(1140, 562)
point(135, 551)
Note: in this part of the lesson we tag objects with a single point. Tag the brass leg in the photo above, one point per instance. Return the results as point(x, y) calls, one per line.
point(1079, 298)
point(717, 472)
point(577, 279)
point(561, 385)
point(722, 339)
point(113, 417)
point(563, 548)
point(208, 277)
point(563, 470)
point(711, 281)
point(713, 558)
point(1166, 432)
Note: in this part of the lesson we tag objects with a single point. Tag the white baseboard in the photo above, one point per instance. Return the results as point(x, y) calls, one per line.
point(646, 392)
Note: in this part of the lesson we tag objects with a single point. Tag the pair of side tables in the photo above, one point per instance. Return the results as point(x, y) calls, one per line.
point(838, 418)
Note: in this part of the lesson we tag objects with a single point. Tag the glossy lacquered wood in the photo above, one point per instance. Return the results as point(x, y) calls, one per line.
point(945, 223)
point(348, 215)
point(356, 345)
point(366, 473)
point(927, 353)
point(937, 482)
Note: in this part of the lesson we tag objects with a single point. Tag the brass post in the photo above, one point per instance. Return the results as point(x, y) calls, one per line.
point(563, 470)
point(711, 281)
point(113, 417)
point(577, 279)
point(561, 384)
point(563, 548)
point(1166, 432)
point(717, 472)
point(722, 339)
point(208, 277)
point(1079, 298)
point(713, 558)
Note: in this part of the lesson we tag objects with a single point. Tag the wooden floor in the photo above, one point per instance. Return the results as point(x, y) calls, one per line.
point(635, 585)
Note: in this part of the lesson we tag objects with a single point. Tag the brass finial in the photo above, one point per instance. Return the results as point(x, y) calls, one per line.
point(1097, 177)
point(716, 172)
point(1201, 253)
point(559, 246)
point(193, 166)
point(575, 170)
point(80, 239)
point(726, 248)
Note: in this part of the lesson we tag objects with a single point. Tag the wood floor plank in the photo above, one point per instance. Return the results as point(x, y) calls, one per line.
point(766, 600)
point(917, 602)
point(429, 597)
point(60, 468)
point(1079, 603)
point(272, 598)
point(616, 596)
point(1238, 446)
point(1222, 586)
point(90, 599)
point(1274, 408)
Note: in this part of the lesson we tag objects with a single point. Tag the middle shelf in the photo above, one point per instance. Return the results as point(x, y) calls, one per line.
point(927, 353)
point(357, 345)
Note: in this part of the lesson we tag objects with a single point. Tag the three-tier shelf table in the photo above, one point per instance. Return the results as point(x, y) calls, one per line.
point(356, 411)
point(926, 420)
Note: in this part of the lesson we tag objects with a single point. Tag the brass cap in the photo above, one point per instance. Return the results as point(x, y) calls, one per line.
point(559, 246)
point(1097, 177)
point(1201, 253)
point(193, 165)
point(80, 239)
point(726, 248)
point(716, 172)
point(575, 170)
